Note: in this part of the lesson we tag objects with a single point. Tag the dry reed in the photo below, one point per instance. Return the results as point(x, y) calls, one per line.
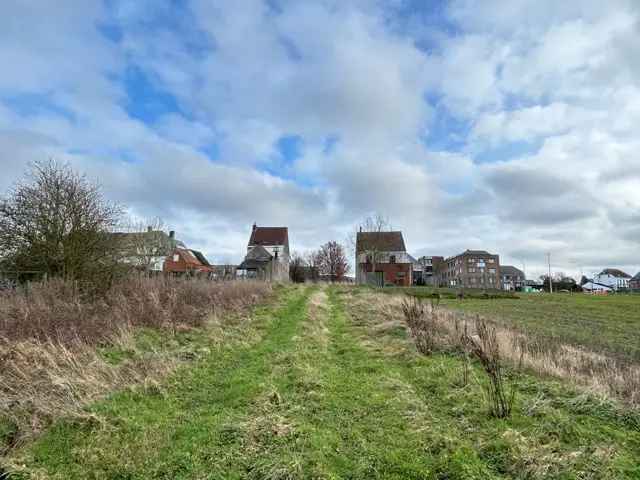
point(51, 366)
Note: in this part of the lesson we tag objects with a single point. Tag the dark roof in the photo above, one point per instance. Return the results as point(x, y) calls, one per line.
point(615, 273)
point(380, 241)
point(510, 270)
point(636, 277)
point(269, 236)
point(255, 258)
point(201, 257)
point(477, 252)
point(258, 253)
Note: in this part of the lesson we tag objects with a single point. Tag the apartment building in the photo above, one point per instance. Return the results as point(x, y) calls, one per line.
point(471, 269)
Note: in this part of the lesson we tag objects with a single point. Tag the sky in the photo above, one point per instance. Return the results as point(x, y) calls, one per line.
point(505, 126)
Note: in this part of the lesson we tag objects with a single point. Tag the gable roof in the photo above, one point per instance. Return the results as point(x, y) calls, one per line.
point(201, 258)
point(614, 272)
point(269, 236)
point(380, 241)
point(510, 270)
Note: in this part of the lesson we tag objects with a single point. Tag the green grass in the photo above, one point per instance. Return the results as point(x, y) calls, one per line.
point(603, 323)
point(320, 392)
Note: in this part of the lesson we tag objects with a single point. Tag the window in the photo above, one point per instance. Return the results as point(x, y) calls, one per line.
point(176, 257)
point(392, 259)
point(491, 260)
point(472, 270)
point(492, 270)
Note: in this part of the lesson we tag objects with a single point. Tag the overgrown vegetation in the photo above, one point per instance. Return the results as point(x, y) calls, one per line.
point(61, 350)
point(56, 223)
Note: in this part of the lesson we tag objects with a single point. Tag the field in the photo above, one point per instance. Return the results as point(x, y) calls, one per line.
point(603, 323)
point(324, 382)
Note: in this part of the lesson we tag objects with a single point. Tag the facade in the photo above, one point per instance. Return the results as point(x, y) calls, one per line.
point(472, 269)
point(432, 269)
point(614, 278)
point(382, 259)
point(634, 283)
point(267, 255)
point(512, 278)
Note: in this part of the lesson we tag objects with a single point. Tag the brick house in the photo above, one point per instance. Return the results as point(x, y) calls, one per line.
point(187, 262)
point(472, 269)
point(267, 255)
point(382, 259)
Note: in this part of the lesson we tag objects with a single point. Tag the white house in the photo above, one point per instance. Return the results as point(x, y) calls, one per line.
point(592, 287)
point(613, 278)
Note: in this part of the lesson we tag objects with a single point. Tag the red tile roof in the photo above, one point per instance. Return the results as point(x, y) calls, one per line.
point(269, 236)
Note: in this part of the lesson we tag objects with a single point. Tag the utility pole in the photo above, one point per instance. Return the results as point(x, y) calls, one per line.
point(550, 281)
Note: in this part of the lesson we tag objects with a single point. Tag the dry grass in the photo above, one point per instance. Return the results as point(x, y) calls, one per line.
point(49, 339)
point(597, 373)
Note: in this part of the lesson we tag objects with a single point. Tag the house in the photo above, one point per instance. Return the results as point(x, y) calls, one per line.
point(382, 259)
point(431, 269)
point(472, 269)
point(593, 287)
point(184, 261)
point(614, 278)
point(147, 250)
point(417, 270)
point(634, 283)
point(267, 255)
point(512, 278)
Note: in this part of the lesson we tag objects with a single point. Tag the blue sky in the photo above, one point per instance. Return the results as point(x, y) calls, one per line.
point(213, 115)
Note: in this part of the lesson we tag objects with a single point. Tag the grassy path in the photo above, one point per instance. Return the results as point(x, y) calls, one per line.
point(316, 396)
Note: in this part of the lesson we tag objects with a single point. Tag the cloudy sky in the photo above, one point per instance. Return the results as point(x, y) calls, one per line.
point(507, 126)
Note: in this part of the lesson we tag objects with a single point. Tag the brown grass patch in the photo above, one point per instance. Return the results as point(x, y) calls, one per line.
point(50, 338)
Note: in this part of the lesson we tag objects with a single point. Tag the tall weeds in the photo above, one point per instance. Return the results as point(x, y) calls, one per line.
point(484, 346)
point(50, 336)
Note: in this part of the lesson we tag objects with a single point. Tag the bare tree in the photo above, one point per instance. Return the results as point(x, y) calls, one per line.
point(333, 261)
point(57, 222)
point(369, 248)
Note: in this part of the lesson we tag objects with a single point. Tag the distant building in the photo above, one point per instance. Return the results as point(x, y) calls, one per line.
point(184, 261)
point(613, 278)
point(432, 269)
point(382, 259)
point(593, 287)
point(146, 251)
point(512, 278)
point(267, 254)
point(472, 269)
point(634, 283)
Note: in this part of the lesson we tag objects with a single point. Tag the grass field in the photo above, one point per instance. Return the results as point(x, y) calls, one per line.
point(321, 384)
point(602, 323)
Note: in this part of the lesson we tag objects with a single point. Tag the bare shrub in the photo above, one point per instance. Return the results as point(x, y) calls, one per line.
point(421, 323)
point(484, 346)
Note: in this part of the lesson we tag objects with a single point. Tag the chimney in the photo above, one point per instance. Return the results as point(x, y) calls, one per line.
point(254, 226)
point(360, 229)
point(149, 229)
point(172, 234)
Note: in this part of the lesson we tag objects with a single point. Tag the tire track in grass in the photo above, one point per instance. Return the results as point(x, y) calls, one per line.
point(193, 429)
point(339, 411)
